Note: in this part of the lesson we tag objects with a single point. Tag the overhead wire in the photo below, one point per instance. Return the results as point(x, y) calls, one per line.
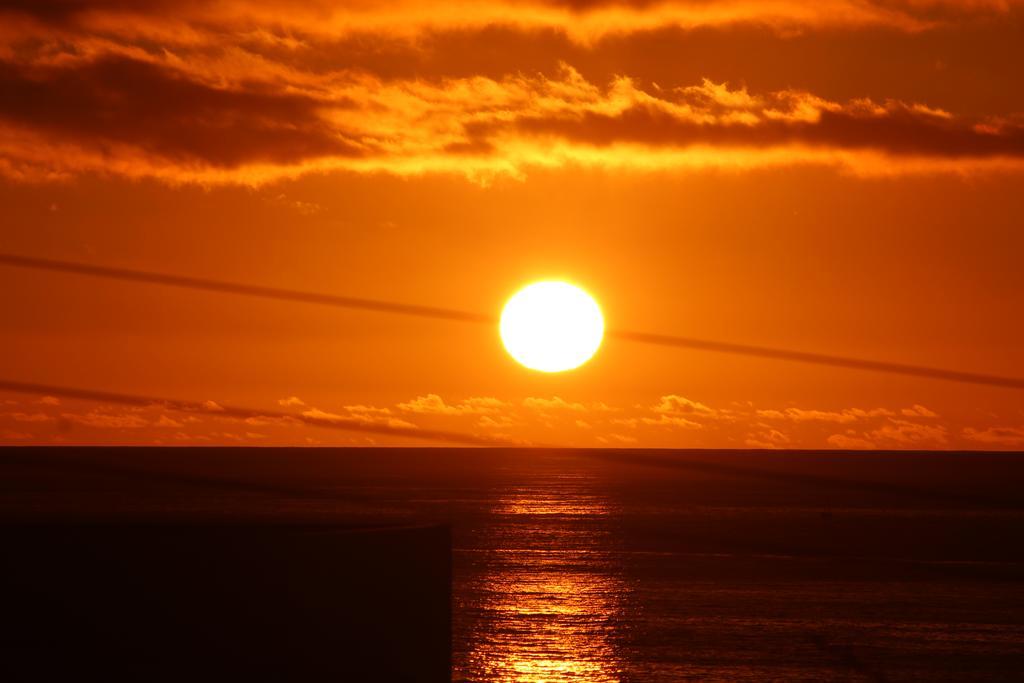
point(449, 314)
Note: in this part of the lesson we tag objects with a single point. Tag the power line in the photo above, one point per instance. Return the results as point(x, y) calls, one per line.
point(258, 291)
point(202, 284)
point(821, 359)
point(238, 413)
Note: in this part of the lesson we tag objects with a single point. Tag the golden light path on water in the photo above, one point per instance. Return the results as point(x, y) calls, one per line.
point(551, 606)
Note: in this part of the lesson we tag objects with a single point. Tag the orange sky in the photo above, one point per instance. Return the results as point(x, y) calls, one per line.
point(840, 177)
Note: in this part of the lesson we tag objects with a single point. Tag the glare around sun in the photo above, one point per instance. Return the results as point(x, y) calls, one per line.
point(552, 326)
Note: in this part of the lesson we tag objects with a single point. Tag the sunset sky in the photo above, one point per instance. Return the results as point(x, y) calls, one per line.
point(840, 176)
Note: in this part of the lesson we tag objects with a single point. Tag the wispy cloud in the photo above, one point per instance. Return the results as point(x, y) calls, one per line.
point(379, 417)
point(497, 422)
point(166, 421)
point(844, 416)
point(918, 410)
point(669, 420)
point(996, 436)
point(768, 439)
point(905, 433)
point(31, 417)
point(107, 420)
point(555, 403)
point(292, 26)
point(680, 405)
point(850, 441)
point(220, 120)
point(432, 404)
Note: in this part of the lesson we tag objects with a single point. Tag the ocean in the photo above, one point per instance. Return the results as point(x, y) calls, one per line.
point(600, 565)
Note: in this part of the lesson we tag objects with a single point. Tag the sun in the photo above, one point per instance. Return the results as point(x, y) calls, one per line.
point(552, 326)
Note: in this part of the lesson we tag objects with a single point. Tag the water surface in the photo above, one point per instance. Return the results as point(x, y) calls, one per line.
point(649, 565)
point(598, 566)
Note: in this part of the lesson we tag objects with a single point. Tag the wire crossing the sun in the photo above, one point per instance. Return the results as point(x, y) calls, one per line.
point(378, 306)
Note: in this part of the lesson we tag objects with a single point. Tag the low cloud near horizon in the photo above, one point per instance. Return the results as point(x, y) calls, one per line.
point(669, 421)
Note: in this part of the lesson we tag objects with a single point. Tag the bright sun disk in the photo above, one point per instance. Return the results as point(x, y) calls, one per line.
point(552, 326)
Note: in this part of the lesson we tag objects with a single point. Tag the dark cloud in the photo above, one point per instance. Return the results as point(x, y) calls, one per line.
point(60, 11)
point(118, 100)
point(899, 130)
point(253, 104)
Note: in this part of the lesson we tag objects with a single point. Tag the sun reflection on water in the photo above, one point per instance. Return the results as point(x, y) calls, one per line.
point(549, 596)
